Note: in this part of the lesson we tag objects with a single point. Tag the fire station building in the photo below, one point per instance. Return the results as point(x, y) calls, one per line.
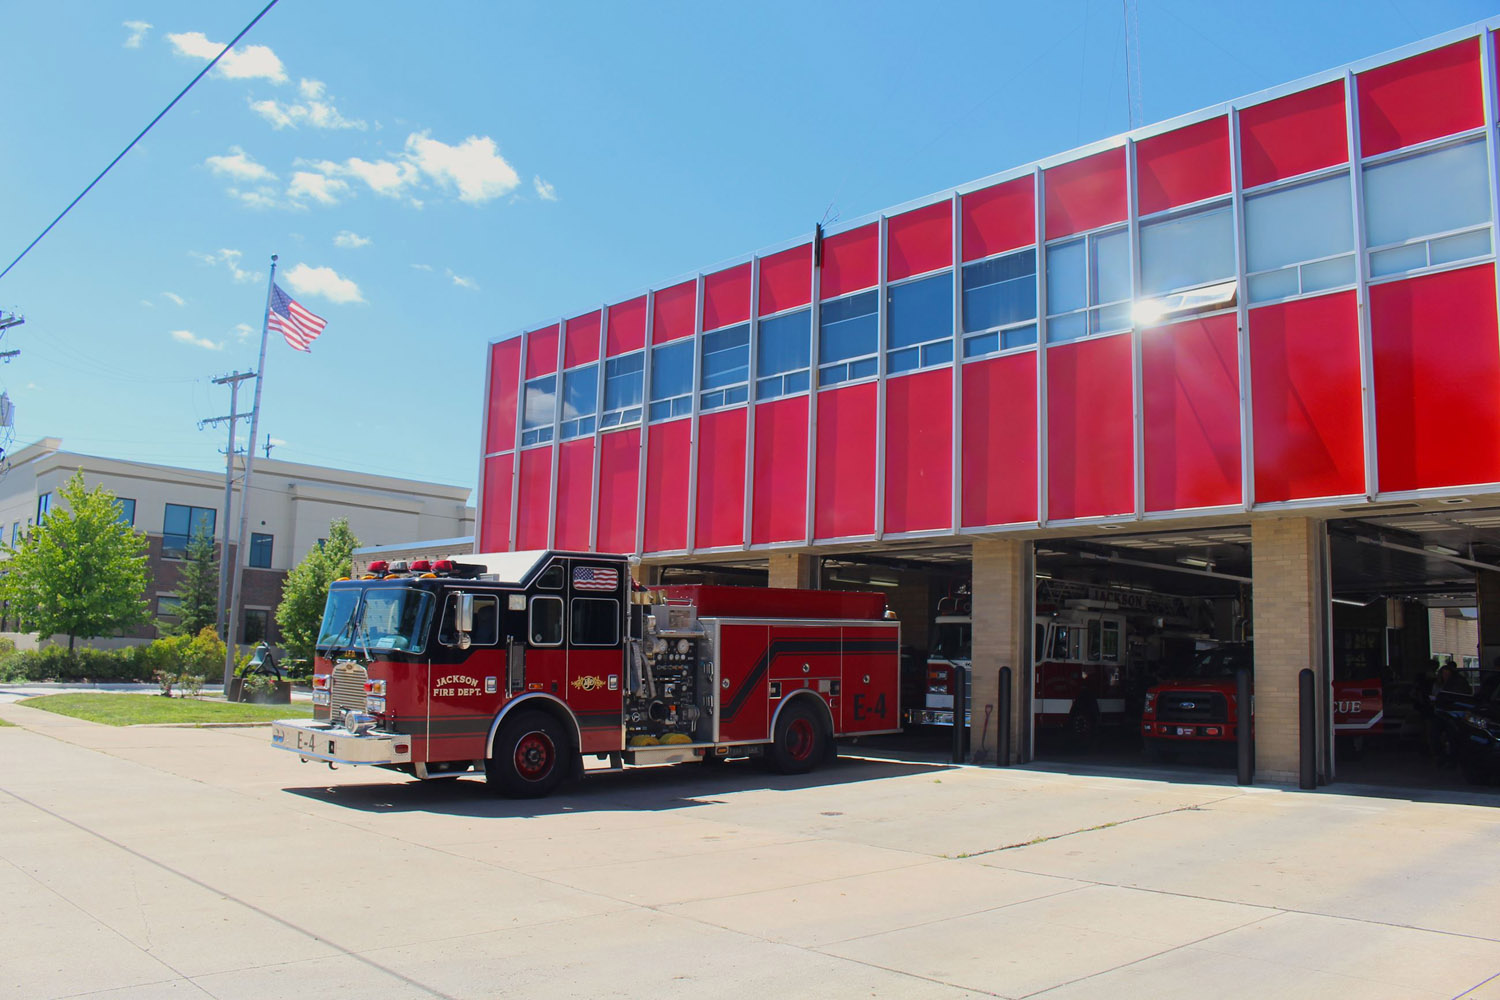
point(1246, 360)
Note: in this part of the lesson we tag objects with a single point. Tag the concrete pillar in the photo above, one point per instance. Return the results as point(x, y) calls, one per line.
point(1289, 620)
point(1002, 575)
point(1487, 591)
point(796, 570)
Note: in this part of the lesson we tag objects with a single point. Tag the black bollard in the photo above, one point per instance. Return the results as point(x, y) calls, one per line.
point(1002, 731)
point(1244, 726)
point(960, 687)
point(1307, 732)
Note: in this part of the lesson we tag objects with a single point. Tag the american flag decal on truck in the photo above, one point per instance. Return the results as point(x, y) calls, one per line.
point(595, 578)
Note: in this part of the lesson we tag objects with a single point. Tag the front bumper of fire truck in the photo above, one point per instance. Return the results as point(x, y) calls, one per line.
point(934, 717)
point(340, 745)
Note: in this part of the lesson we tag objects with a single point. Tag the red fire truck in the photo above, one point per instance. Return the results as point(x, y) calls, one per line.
point(517, 664)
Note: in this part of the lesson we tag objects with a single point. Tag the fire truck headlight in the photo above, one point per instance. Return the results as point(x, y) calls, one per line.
point(1150, 705)
point(375, 705)
point(320, 697)
point(320, 682)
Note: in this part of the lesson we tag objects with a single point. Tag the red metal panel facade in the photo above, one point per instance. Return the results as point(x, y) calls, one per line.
point(786, 280)
point(581, 344)
point(1086, 194)
point(778, 511)
point(1090, 436)
point(494, 517)
point(505, 366)
point(676, 310)
point(1304, 377)
point(919, 241)
point(1437, 379)
point(721, 479)
point(627, 327)
point(1000, 218)
point(575, 493)
point(726, 297)
point(845, 502)
point(541, 351)
point(535, 502)
point(1182, 166)
point(1190, 396)
point(851, 261)
point(1425, 97)
point(999, 444)
point(619, 476)
point(1293, 135)
point(919, 451)
point(667, 485)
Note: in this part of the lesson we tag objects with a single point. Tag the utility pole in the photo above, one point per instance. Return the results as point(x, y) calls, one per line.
point(268, 446)
point(233, 380)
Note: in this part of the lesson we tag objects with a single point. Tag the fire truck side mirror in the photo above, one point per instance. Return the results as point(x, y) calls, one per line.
point(463, 618)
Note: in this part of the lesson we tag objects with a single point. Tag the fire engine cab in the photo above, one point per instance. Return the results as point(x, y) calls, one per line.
point(517, 664)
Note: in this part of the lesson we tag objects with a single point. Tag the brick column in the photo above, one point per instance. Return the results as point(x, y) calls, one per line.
point(1000, 630)
point(1288, 619)
point(1487, 587)
point(792, 569)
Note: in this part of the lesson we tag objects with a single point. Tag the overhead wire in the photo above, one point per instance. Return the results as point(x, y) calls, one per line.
point(141, 135)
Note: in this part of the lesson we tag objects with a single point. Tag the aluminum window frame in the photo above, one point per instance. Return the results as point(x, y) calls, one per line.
point(619, 416)
point(1093, 310)
point(562, 619)
point(944, 338)
point(1220, 204)
point(969, 337)
point(782, 375)
point(730, 394)
point(540, 432)
point(1472, 137)
point(849, 361)
point(584, 425)
point(680, 404)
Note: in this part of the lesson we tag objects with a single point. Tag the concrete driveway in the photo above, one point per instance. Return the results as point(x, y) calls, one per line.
point(155, 861)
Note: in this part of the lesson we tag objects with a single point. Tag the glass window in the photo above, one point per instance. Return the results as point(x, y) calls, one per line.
point(180, 523)
point(338, 616)
point(596, 621)
point(1088, 285)
point(919, 323)
point(394, 619)
point(539, 411)
point(260, 550)
point(553, 577)
point(127, 510)
point(546, 621)
point(784, 354)
point(623, 389)
point(848, 338)
point(1000, 303)
point(169, 604)
point(257, 621)
point(1186, 251)
point(1419, 196)
point(43, 505)
point(580, 399)
point(672, 380)
point(486, 630)
point(726, 367)
point(15, 533)
point(1299, 239)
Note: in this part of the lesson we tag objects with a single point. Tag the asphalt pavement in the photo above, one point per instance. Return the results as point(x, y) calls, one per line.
point(152, 862)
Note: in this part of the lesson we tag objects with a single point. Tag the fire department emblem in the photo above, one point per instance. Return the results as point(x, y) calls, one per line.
point(588, 683)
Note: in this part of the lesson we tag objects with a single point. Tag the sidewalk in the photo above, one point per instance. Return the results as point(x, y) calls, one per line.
point(142, 862)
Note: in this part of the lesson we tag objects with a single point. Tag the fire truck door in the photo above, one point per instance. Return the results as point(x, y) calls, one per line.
point(745, 654)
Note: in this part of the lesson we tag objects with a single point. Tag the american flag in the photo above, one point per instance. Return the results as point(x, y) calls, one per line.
point(296, 324)
point(595, 578)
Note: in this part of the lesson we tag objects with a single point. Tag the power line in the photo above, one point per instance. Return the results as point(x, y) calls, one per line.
point(160, 115)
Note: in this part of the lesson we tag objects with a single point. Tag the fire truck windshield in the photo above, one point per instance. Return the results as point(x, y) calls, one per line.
point(954, 640)
point(376, 618)
point(1220, 662)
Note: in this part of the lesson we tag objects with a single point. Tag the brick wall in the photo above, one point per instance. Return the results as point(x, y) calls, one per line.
point(1000, 627)
point(1284, 565)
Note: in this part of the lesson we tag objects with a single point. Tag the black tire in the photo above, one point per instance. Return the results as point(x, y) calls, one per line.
point(1083, 724)
point(531, 756)
point(800, 742)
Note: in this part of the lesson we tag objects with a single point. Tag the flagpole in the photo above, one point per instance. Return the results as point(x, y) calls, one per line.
point(240, 555)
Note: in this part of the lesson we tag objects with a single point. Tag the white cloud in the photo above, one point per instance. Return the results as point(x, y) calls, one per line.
point(174, 298)
point(544, 190)
point(324, 281)
point(277, 442)
point(463, 282)
point(138, 31)
point(243, 330)
point(32, 385)
point(247, 63)
point(313, 110)
point(320, 188)
point(351, 240)
point(189, 337)
point(240, 165)
point(422, 267)
point(260, 198)
point(231, 260)
point(148, 303)
point(474, 166)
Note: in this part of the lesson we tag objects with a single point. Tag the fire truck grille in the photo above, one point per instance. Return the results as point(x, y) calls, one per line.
point(1192, 706)
point(347, 690)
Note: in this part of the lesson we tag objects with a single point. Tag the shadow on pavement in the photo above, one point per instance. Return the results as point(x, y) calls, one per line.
point(655, 788)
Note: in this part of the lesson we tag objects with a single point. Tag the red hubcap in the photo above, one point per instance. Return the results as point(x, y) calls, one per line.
point(534, 755)
point(799, 739)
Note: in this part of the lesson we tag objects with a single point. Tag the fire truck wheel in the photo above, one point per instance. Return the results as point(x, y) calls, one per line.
point(800, 742)
point(1083, 723)
point(531, 756)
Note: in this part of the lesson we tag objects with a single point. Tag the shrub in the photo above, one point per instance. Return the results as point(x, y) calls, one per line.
point(55, 663)
point(192, 684)
point(166, 679)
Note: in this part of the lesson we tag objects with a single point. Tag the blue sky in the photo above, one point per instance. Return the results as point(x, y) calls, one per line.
point(437, 176)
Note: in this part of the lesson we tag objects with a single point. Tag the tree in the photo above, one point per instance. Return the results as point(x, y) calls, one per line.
point(197, 588)
point(306, 590)
point(81, 572)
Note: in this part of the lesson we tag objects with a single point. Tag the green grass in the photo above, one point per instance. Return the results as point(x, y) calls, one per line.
point(148, 709)
point(3, 723)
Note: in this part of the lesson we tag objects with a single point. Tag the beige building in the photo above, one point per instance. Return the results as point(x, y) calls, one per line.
point(291, 508)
